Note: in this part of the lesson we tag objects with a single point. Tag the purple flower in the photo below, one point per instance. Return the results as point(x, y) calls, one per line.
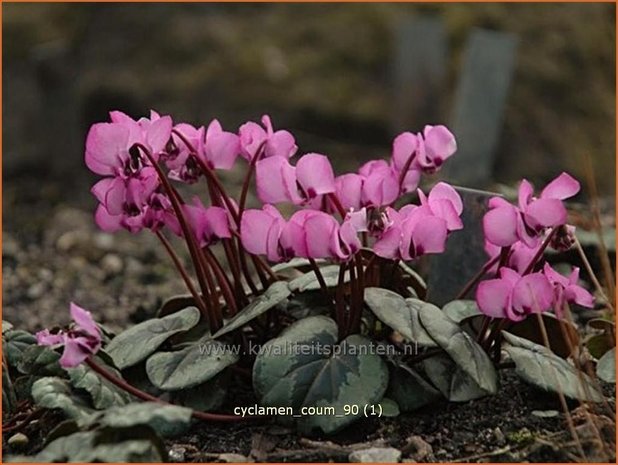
point(209, 223)
point(275, 143)
point(380, 184)
point(80, 342)
point(566, 289)
point(520, 256)
point(504, 224)
point(514, 296)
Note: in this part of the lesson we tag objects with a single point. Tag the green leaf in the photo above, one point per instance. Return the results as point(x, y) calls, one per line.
point(190, 366)
point(14, 343)
point(166, 420)
point(40, 361)
point(95, 446)
point(9, 398)
point(103, 393)
point(464, 351)
point(389, 408)
point(606, 366)
point(538, 365)
point(56, 393)
point(409, 389)
point(309, 281)
point(398, 313)
point(459, 310)
point(204, 397)
point(136, 343)
point(454, 383)
point(6, 326)
point(175, 303)
point(304, 367)
point(275, 294)
point(310, 303)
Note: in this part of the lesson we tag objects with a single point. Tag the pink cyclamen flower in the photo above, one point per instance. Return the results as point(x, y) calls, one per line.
point(566, 289)
point(380, 184)
point(255, 138)
point(504, 224)
point(80, 342)
point(424, 152)
point(410, 233)
point(519, 259)
point(443, 202)
point(514, 296)
point(278, 181)
point(208, 223)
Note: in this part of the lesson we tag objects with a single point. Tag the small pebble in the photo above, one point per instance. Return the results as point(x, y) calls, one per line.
point(233, 458)
point(104, 241)
point(177, 454)
point(36, 290)
point(376, 455)
point(418, 449)
point(499, 435)
point(112, 264)
point(18, 441)
point(545, 413)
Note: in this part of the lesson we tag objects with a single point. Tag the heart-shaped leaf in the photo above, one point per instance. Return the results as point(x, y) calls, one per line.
point(304, 367)
point(40, 361)
point(56, 393)
point(275, 294)
point(190, 366)
point(309, 281)
point(409, 389)
point(464, 351)
point(459, 310)
point(541, 367)
point(103, 393)
point(136, 343)
point(454, 383)
point(14, 343)
point(399, 314)
point(606, 366)
point(166, 420)
point(204, 397)
point(175, 304)
point(556, 329)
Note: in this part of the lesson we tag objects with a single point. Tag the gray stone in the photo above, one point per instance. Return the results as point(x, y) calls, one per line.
point(376, 455)
point(481, 95)
point(233, 458)
point(465, 255)
point(18, 441)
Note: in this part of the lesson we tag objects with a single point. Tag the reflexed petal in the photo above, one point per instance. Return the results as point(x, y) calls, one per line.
point(555, 277)
point(100, 189)
point(387, 245)
point(75, 352)
point(579, 295)
point(348, 188)
point(524, 194)
point(380, 188)
point(222, 149)
point(107, 222)
point(254, 228)
point(411, 180)
point(444, 209)
point(275, 179)
point(533, 294)
point(500, 226)
point(563, 187)
point(374, 166)
point(444, 191)
point(281, 144)
point(545, 212)
point(320, 230)
point(83, 319)
point(315, 174)
point(492, 297)
point(158, 134)
point(440, 144)
point(404, 147)
point(45, 338)
point(252, 136)
point(496, 202)
point(106, 147)
point(428, 235)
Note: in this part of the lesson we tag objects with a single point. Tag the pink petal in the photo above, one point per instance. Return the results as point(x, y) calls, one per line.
point(222, 149)
point(75, 352)
point(158, 134)
point(100, 189)
point(411, 180)
point(555, 277)
point(428, 235)
point(387, 245)
point(315, 174)
point(492, 297)
point(276, 181)
point(380, 188)
point(500, 226)
point(444, 191)
point(45, 338)
point(281, 144)
point(496, 202)
point(254, 229)
point(533, 294)
point(252, 136)
point(348, 188)
point(563, 187)
point(444, 209)
point(439, 144)
point(320, 230)
point(404, 147)
point(545, 212)
point(579, 295)
point(115, 196)
point(106, 147)
point(107, 222)
point(374, 167)
point(83, 319)
point(524, 194)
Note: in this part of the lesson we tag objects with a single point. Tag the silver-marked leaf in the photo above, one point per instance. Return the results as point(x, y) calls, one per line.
point(459, 310)
point(276, 293)
point(166, 420)
point(56, 393)
point(294, 263)
point(190, 366)
point(14, 343)
point(309, 281)
point(398, 313)
point(175, 304)
point(454, 384)
point(6, 326)
point(136, 343)
point(103, 393)
point(304, 367)
point(204, 397)
point(40, 361)
point(606, 366)
point(464, 351)
point(539, 366)
point(409, 389)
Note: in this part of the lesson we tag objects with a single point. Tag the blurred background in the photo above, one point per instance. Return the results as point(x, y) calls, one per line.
point(529, 89)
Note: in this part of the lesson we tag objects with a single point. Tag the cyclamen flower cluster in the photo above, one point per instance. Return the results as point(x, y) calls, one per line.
point(133, 195)
point(515, 238)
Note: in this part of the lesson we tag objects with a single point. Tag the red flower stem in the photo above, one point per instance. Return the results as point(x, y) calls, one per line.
point(222, 279)
point(231, 255)
point(360, 293)
point(404, 171)
point(216, 307)
point(540, 252)
point(168, 247)
point(340, 301)
point(186, 229)
point(245, 185)
point(122, 384)
point(477, 277)
point(353, 299)
point(335, 201)
point(323, 286)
